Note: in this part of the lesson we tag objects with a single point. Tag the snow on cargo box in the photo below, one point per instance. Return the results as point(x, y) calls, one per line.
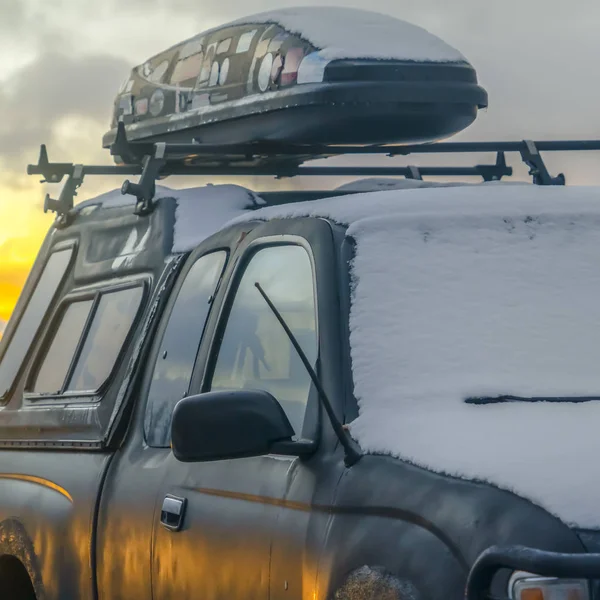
point(479, 292)
point(310, 75)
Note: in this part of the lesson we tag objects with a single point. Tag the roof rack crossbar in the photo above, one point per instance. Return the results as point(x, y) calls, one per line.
point(275, 171)
point(154, 160)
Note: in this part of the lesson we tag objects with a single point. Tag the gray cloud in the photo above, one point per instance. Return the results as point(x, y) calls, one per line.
point(52, 87)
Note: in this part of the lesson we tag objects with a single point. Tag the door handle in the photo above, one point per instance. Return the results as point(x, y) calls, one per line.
point(172, 513)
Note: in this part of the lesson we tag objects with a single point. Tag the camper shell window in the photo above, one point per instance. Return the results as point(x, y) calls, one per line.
point(90, 335)
point(43, 295)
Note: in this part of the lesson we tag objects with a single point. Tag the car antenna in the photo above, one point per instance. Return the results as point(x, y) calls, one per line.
point(351, 449)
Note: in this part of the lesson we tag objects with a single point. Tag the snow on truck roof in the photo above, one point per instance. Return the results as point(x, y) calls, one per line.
point(468, 291)
point(356, 33)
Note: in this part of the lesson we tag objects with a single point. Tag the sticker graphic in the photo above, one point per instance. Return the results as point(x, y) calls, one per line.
point(312, 68)
point(158, 73)
point(276, 68)
point(214, 74)
point(141, 106)
point(220, 97)
point(276, 43)
point(224, 46)
point(200, 101)
point(245, 42)
point(157, 103)
point(192, 47)
point(126, 105)
point(224, 72)
point(264, 73)
point(293, 58)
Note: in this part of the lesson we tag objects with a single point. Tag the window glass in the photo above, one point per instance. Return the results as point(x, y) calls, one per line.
point(52, 374)
point(255, 352)
point(179, 347)
point(114, 316)
point(41, 298)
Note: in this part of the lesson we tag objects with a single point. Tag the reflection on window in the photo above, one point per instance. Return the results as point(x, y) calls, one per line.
point(86, 362)
point(41, 298)
point(179, 347)
point(52, 375)
point(112, 321)
point(255, 352)
point(187, 69)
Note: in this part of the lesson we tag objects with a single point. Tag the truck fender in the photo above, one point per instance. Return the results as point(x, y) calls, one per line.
point(368, 583)
point(16, 543)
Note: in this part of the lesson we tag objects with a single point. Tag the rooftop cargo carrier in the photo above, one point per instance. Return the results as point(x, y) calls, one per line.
point(310, 75)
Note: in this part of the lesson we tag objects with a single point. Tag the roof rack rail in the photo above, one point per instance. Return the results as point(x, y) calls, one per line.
point(154, 160)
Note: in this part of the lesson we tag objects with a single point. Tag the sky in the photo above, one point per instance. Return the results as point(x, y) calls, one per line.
point(64, 60)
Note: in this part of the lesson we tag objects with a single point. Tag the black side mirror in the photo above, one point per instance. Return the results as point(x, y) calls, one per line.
point(222, 425)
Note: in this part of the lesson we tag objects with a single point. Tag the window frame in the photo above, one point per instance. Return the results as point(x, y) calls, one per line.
point(159, 335)
point(95, 293)
point(226, 305)
point(13, 325)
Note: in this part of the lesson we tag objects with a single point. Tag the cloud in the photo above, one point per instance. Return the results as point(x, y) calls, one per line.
point(53, 87)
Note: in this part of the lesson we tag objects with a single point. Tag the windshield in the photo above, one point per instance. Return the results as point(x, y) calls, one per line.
point(483, 306)
point(455, 307)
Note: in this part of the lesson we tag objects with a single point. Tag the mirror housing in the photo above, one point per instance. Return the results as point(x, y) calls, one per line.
point(226, 425)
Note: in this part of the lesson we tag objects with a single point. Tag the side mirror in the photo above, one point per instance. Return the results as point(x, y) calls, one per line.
point(222, 425)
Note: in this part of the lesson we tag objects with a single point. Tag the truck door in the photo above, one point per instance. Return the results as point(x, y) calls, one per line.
point(216, 522)
point(126, 518)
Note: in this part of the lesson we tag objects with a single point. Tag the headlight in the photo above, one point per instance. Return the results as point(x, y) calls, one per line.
point(526, 586)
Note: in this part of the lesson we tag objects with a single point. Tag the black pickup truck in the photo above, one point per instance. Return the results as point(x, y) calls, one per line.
point(218, 394)
point(201, 402)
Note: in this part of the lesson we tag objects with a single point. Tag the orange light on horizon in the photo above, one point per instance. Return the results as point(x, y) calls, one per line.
point(23, 226)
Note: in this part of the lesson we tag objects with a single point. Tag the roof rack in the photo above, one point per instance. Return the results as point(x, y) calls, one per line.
point(160, 159)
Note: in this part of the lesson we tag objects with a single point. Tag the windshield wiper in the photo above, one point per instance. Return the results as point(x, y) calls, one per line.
point(509, 398)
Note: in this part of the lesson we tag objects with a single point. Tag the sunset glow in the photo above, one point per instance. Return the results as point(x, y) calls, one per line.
point(23, 226)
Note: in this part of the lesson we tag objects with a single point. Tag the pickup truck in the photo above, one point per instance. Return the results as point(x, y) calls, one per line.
point(370, 396)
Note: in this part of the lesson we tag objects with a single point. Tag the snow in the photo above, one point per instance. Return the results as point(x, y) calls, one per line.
point(200, 211)
point(203, 211)
point(356, 33)
point(478, 290)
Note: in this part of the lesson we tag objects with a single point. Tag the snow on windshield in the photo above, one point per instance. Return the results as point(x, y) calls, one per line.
point(481, 290)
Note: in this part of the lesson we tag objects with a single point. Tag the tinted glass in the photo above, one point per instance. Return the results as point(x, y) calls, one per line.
point(36, 310)
point(54, 369)
point(255, 352)
point(111, 324)
point(179, 347)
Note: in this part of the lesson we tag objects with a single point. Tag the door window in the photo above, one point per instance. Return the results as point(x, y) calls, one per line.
point(179, 346)
point(255, 352)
